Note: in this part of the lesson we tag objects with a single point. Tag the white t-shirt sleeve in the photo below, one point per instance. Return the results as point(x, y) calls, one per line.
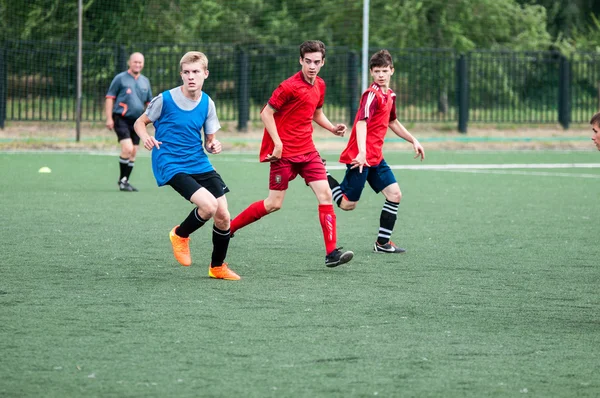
point(211, 125)
point(155, 108)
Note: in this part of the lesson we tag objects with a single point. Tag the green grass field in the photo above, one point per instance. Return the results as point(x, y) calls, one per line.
point(497, 296)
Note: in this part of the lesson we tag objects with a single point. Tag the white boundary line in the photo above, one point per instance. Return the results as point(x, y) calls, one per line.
point(494, 168)
point(485, 166)
point(526, 173)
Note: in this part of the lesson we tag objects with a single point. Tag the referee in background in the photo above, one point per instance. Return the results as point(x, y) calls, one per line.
point(126, 100)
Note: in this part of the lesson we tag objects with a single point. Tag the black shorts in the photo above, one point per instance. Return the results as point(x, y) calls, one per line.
point(187, 184)
point(124, 129)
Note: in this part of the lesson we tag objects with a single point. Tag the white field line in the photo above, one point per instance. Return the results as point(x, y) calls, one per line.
point(501, 168)
point(464, 168)
point(526, 173)
point(485, 166)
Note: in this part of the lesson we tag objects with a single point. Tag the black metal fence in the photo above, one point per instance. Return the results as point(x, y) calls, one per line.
point(38, 82)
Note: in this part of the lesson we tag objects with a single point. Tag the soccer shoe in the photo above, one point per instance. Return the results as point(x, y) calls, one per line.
point(125, 186)
point(133, 189)
point(324, 161)
point(338, 257)
point(223, 272)
point(181, 248)
point(389, 247)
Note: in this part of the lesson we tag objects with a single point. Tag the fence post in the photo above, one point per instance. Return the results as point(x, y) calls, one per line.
point(121, 59)
point(3, 86)
point(352, 84)
point(462, 90)
point(564, 93)
point(242, 91)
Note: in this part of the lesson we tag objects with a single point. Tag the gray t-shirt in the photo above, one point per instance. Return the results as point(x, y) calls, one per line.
point(211, 125)
point(130, 94)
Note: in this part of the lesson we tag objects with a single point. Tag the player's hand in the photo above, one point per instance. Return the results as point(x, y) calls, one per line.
point(276, 155)
point(360, 161)
point(151, 142)
point(420, 152)
point(110, 124)
point(214, 146)
point(339, 129)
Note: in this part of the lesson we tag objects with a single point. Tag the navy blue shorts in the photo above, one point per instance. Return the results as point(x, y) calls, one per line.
point(379, 177)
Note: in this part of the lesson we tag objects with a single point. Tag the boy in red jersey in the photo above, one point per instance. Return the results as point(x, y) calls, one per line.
point(288, 145)
point(363, 154)
point(595, 122)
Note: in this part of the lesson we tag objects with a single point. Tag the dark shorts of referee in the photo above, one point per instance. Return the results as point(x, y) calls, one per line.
point(187, 184)
point(124, 129)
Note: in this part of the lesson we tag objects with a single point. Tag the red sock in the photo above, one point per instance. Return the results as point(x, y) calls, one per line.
point(327, 220)
point(254, 212)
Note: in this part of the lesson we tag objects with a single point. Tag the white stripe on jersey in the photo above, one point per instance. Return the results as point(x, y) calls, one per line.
point(370, 99)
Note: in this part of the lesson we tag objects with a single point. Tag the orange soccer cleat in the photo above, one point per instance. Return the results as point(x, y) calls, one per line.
point(181, 248)
point(223, 272)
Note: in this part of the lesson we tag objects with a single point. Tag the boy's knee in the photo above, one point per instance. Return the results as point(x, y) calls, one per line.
point(395, 197)
point(207, 211)
point(347, 206)
point(273, 204)
point(272, 207)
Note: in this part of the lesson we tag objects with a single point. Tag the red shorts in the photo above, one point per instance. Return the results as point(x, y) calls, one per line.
point(309, 166)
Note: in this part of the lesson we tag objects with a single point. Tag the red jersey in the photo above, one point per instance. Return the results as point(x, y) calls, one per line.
point(295, 102)
point(378, 110)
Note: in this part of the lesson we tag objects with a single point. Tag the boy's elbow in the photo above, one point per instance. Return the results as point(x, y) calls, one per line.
point(266, 116)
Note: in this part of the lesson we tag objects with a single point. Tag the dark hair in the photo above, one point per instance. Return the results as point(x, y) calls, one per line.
point(312, 46)
point(381, 59)
point(595, 119)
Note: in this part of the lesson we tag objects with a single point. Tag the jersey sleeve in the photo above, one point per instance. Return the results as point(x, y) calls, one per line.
point(280, 96)
point(393, 115)
point(115, 86)
point(154, 109)
point(368, 105)
point(211, 125)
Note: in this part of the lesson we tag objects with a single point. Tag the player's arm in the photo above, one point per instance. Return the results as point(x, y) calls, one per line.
point(211, 144)
point(140, 129)
point(109, 103)
point(268, 119)
point(322, 120)
point(211, 126)
point(108, 109)
point(361, 141)
point(403, 133)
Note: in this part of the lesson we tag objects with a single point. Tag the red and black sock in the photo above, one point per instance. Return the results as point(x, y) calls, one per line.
point(253, 213)
point(328, 225)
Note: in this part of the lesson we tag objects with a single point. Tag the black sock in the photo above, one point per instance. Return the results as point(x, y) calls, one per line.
point(387, 220)
point(220, 240)
point(190, 224)
point(336, 190)
point(129, 169)
point(123, 168)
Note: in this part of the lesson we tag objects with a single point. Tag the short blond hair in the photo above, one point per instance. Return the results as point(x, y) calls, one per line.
point(192, 57)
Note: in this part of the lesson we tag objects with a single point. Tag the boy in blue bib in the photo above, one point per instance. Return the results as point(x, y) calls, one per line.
point(179, 160)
